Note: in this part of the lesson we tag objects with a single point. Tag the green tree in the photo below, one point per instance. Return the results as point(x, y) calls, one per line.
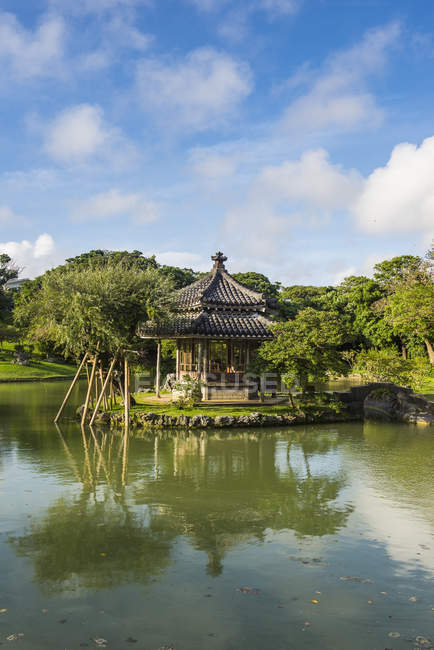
point(180, 277)
point(258, 282)
point(388, 366)
point(8, 271)
point(100, 257)
point(354, 299)
point(302, 296)
point(410, 310)
point(391, 273)
point(308, 347)
point(79, 308)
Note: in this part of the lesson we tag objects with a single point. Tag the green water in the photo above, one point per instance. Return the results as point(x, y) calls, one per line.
point(146, 541)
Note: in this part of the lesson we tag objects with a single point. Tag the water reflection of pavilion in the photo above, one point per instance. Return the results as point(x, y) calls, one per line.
point(138, 495)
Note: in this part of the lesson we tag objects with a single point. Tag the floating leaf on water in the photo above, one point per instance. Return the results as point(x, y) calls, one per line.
point(3, 610)
point(356, 579)
point(384, 593)
point(99, 641)
point(394, 635)
point(167, 647)
point(103, 554)
point(307, 623)
point(423, 642)
point(369, 602)
point(63, 620)
point(413, 599)
point(15, 637)
point(131, 640)
point(248, 590)
point(315, 602)
point(44, 611)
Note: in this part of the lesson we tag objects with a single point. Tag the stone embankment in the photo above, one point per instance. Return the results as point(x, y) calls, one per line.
point(149, 419)
point(382, 401)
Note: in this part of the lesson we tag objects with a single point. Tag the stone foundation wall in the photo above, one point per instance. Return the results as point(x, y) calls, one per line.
point(145, 420)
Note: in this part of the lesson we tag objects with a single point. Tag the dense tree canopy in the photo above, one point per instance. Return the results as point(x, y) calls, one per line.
point(258, 282)
point(392, 310)
point(79, 308)
point(8, 271)
point(308, 347)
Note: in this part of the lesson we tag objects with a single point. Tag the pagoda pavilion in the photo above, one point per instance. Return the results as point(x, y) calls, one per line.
point(218, 326)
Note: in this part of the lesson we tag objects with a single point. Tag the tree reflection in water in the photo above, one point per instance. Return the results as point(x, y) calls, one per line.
point(137, 495)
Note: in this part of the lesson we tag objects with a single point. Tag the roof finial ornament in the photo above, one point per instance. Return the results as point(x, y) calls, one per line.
point(219, 260)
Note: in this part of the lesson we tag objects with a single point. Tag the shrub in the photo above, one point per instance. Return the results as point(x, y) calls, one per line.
point(388, 366)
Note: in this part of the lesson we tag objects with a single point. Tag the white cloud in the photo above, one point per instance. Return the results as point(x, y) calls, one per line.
point(6, 214)
point(183, 259)
point(33, 258)
point(76, 133)
point(211, 166)
point(39, 178)
point(31, 53)
point(313, 181)
point(43, 246)
point(337, 97)
point(399, 197)
point(95, 60)
point(80, 132)
point(113, 203)
point(309, 189)
point(199, 92)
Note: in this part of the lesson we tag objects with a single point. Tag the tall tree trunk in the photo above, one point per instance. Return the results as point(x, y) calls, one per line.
point(429, 350)
point(403, 351)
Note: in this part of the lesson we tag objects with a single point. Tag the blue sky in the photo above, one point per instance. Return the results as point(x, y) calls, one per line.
point(295, 135)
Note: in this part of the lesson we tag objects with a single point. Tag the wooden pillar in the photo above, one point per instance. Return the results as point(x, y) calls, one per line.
point(200, 360)
point(126, 391)
point(89, 389)
point(177, 358)
point(205, 369)
point(247, 354)
point(157, 374)
point(104, 388)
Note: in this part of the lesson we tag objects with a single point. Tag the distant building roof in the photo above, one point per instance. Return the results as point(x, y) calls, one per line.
point(15, 283)
point(216, 306)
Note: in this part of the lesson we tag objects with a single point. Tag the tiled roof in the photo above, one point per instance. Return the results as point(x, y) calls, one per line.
point(215, 324)
point(218, 289)
point(216, 306)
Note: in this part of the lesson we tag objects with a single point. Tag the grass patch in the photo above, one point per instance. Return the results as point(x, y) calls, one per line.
point(428, 387)
point(36, 370)
point(146, 405)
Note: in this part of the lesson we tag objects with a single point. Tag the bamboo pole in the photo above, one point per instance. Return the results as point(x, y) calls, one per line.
point(74, 381)
point(89, 389)
point(126, 391)
point(104, 388)
point(157, 375)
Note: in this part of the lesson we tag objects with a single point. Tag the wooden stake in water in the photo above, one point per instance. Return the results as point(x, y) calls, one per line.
point(89, 389)
point(127, 391)
point(104, 388)
point(74, 381)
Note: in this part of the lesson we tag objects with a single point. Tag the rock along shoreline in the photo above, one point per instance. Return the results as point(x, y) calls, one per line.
point(255, 419)
point(378, 401)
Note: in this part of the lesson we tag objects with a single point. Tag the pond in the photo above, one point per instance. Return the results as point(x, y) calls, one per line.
point(318, 536)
